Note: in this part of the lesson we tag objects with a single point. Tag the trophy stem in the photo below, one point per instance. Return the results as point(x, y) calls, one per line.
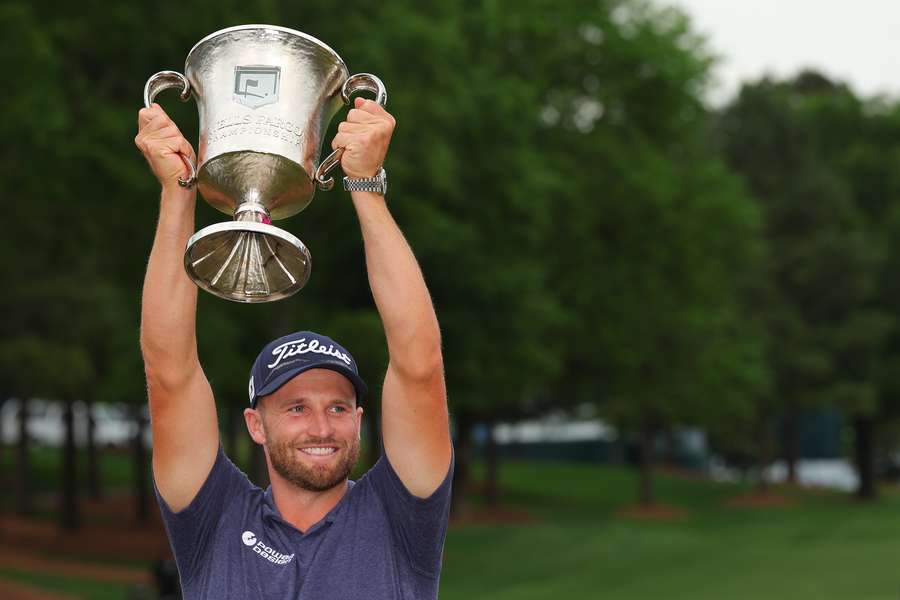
point(253, 212)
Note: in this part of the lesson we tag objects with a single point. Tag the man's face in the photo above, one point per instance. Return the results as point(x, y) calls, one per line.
point(311, 427)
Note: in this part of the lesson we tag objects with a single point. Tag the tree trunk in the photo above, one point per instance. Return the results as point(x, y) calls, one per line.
point(463, 458)
point(23, 474)
point(259, 472)
point(647, 493)
point(5, 482)
point(671, 448)
point(492, 468)
point(68, 509)
point(141, 491)
point(93, 466)
point(764, 455)
point(791, 446)
point(373, 435)
point(864, 451)
point(232, 426)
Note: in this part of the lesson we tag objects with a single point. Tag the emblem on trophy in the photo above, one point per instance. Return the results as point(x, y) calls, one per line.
point(256, 86)
point(265, 96)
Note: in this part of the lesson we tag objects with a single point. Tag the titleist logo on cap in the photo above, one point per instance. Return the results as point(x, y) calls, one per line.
point(295, 347)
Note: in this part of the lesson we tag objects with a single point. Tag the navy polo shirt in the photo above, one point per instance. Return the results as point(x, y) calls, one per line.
point(378, 542)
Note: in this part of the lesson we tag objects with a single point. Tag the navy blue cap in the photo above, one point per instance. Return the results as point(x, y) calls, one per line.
point(283, 359)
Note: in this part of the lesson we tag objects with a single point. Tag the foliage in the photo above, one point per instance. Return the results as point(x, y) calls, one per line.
point(820, 162)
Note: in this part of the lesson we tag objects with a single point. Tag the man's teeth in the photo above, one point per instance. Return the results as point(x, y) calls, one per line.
point(319, 450)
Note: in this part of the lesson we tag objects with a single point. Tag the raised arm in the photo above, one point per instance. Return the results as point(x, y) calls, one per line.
point(415, 423)
point(182, 410)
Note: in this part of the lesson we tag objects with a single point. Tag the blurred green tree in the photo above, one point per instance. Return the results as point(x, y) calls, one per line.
point(858, 140)
point(548, 168)
point(802, 145)
point(656, 237)
point(464, 141)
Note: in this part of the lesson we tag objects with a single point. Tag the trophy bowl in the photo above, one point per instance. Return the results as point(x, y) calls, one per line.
point(265, 96)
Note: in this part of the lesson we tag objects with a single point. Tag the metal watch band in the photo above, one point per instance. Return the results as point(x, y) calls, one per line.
point(377, 184)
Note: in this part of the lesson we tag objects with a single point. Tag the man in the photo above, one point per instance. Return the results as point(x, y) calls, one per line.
point(313, 534)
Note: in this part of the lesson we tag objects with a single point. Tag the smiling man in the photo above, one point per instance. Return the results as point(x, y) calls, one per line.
point(313, 533)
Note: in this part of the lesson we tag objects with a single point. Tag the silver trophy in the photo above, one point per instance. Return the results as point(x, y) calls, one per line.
point(266, 95)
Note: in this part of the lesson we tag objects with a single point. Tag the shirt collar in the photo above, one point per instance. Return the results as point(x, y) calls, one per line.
point(270, 510)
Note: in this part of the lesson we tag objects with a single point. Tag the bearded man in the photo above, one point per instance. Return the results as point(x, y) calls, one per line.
point(313, 533)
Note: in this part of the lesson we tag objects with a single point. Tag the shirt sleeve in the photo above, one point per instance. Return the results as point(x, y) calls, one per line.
point(420, 524)
point(191, 529)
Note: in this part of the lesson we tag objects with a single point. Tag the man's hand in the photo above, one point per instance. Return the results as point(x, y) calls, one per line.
point(365, 137)
point(162, 144)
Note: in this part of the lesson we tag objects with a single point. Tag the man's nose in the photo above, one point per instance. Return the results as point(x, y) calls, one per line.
point(321, 425)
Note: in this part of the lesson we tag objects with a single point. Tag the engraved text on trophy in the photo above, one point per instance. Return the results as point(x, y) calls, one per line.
point(256, 85)
point(271, 126)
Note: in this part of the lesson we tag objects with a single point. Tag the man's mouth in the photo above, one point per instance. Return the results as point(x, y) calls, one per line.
point(319, 450)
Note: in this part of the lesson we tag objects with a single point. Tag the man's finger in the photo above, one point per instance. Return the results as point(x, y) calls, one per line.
point(156, 113)
point(357, 115)
point(340, 141)
point(145, 115)
point(168, 134)
point(346, 127)
point(162, 127)
point(167, 130)
point(371, 107)
point(184, 148)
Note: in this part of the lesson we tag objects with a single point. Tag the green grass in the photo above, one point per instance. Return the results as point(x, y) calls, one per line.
point(80, 588)
point(827, 547)
point(45, 474)
point(116, 466)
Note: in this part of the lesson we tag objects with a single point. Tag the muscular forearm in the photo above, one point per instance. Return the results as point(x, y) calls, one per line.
point(169, 302)
point(399, 290)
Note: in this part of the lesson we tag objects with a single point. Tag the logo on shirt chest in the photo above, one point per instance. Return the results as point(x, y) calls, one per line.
point(263, 551)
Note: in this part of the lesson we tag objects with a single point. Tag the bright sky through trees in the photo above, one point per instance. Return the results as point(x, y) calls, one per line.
point(855, 42)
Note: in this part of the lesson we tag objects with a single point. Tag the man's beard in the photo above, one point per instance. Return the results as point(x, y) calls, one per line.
point(317, 477)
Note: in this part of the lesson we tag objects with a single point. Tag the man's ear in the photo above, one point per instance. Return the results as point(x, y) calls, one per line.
point(359, 416)
point(253, 419)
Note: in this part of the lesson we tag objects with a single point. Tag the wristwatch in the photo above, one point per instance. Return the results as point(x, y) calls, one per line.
point(377, 184)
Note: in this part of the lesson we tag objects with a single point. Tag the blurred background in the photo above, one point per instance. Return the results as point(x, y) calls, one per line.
point(662, 238)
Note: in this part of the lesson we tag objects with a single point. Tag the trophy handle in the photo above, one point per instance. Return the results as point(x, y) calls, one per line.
point(163, 81)
point(361, 82)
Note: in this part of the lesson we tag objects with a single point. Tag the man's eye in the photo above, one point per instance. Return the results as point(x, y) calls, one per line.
point(297, 408)
point(339, 408)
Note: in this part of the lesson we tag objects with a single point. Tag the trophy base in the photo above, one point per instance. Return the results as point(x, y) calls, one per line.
point(246, 261)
